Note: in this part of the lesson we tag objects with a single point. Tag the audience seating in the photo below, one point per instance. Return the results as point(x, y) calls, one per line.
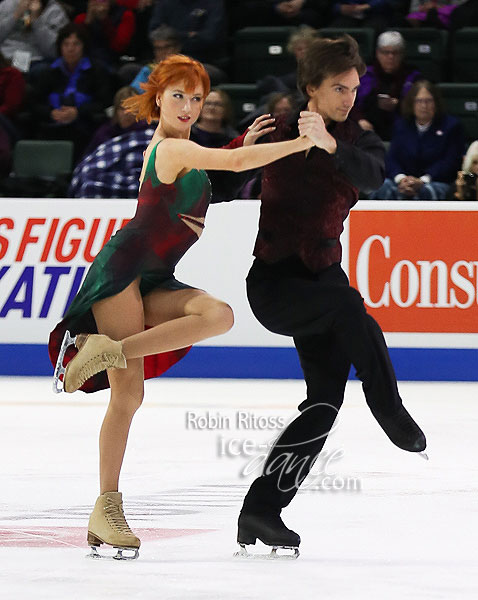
point(464, 56)
point(244, 97)
point(426, 49)
point(261, 51)
point(461, 101)
point(39, 158)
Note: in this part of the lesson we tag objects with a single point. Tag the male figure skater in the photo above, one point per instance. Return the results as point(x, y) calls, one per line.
point(296, 286)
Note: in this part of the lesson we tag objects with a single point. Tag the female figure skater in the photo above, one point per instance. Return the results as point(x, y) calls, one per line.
point(130, 305)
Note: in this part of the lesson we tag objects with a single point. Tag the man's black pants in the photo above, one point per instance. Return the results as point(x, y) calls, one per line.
point(331, 330)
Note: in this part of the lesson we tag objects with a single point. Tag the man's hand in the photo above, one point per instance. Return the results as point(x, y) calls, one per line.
point(261, 126)
point(64, 114)
point(313, 126)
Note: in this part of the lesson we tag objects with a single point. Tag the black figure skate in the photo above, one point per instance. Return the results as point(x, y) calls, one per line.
point(271, 531)
point(403, 431)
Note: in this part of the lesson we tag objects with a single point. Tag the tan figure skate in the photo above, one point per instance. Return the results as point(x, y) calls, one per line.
point(108, 525)
point(95, 354)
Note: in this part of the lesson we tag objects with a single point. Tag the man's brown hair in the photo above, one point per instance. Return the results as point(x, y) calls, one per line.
point(326, 57)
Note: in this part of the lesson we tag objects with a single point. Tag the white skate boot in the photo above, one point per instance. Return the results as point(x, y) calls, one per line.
point(108, 525)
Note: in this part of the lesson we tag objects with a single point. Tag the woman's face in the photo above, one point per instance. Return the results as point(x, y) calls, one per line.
point(424, 106)
point(282, 107)
point(180, 109)
point(390, 58)
point(72, 49)
point(213, 108)
point(124, 118)
point(474, 165)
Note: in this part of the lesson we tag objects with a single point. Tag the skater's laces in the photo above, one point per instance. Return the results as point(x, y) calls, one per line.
point(115, 516)
point(98, 363)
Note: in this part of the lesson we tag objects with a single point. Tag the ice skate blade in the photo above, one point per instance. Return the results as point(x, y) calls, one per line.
point(58, 386)
point(273, 555)
point(424, 455)
point(118, 556)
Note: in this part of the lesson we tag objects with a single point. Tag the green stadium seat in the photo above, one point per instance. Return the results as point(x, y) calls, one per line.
point(40, 158)
point(426, 49)
point(244, 98)
point(464, 56)
point(365, 38)
point(261, 51)
point(461, 100)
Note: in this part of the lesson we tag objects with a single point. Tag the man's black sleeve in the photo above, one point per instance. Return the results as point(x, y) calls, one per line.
point(362, 163)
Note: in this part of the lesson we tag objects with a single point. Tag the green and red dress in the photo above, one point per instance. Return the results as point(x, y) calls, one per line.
point(169, 219)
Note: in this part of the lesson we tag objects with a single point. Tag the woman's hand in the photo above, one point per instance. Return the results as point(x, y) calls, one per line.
point(313, 126)
point(261, 126)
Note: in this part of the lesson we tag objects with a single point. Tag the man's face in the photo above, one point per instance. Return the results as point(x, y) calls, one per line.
point(335, 96)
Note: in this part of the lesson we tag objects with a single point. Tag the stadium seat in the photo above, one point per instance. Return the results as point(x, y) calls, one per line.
point(426, 49)
point(461, 100)
point(244, 98)
point(261, 51)
point(39, 158)
point(464, 57)
point(365, 38)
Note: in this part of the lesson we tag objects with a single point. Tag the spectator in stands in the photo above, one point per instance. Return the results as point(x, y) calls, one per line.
point(432, 13)
point(12, 88)
point(28, 31)
point(214, 128)
point(201, 25)
point(5, 152)
point(114, 168)
point(279, 12)
point(425, 151)
point(466, 184)
point(143, 10)
point(384, 84)
point(121, 122)
point(165, 41)
point(110, 29)
point(69, 100)
point(280, 104)
point(376, 14)
point(298, 42)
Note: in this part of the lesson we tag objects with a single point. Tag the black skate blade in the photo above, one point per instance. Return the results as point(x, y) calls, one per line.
point(273, 554)
point(424, 455)
point(59, 368)
point(118, 556)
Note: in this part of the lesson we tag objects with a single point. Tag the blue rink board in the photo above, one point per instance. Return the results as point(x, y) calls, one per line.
point(411, 364)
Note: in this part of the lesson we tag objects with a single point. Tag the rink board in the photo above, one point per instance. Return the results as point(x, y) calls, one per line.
point(415, 264)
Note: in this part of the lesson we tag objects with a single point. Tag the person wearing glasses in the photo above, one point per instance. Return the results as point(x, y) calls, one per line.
point(426, 149)
point(384, 84)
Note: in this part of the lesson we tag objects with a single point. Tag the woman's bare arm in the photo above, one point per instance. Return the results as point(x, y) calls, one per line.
point(174, 155)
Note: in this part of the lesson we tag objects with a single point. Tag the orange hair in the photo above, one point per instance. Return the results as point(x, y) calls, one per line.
point(169, 71)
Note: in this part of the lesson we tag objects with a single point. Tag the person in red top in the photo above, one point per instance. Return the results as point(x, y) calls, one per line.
point(297, 287)
point(12, 88)
point(12, 91)
point(110, 27)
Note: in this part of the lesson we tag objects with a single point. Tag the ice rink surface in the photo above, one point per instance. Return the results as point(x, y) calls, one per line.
point(375, 522)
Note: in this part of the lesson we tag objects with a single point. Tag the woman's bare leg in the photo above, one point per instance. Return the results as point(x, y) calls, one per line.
point(119, 316)
point(178, 319)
